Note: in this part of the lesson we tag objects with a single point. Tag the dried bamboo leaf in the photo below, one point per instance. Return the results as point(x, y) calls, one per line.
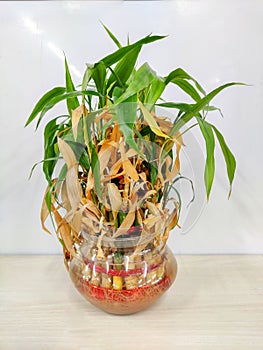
point(104, 156)
point(64, 196)
point(64, 230)
point(139, 217)
point(158, 229)
point(153, 209)
point(131, 153)
point(151, 221)
point(74, 218)
point(115, 197)
point(143, 176)
point(74, 190)
point(91, 207)
point(67, 153)
point(76, 115)
point(115, 168)
point(178, 149)
point(90, 216)
point(130, 170)
point(89, 226)
point(147, 195)
point(164, 124)
point(100, 253)
point(116, 133)
point(106, 115)
point(110, 177)
point(173, 218)
point(90, 184)
point(176, 167)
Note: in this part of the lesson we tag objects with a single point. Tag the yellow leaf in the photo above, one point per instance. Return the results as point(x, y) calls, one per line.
point(151, 121)
point(130, 170)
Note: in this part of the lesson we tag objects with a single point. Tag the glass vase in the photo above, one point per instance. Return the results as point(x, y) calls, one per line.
point(122, 275)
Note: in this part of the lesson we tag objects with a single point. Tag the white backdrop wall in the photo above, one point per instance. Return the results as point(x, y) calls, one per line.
point(215, 41)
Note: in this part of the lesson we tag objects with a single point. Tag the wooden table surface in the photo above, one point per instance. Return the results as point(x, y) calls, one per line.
point(215, 303)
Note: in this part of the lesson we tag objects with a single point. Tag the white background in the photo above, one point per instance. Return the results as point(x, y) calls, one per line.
point(215, 41)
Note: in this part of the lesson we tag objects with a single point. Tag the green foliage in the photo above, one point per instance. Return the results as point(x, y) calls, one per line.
point(73, 102)
point(115, 82)
point(208, 135)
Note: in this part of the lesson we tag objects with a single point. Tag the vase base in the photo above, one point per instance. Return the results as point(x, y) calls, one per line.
point(123, 302)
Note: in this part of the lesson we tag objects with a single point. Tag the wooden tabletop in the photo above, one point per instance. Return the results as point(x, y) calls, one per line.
point(215, 303)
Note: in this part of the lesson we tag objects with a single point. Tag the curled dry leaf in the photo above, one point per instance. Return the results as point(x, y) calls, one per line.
point(44, 213)
point(130, 170)
point(126, 187)
point(64, 230)
point(104, 156)
point(76, 115)
point(67, 153)
point(115, 197)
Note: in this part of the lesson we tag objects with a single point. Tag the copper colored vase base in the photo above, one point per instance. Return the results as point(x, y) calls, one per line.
point(121, 302)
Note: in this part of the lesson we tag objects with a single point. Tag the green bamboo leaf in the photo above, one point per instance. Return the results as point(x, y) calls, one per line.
point(86, 77)
point(208, 135)
point(98, 73)
point(51, 148)
point(117, 92)
point(113, 37)
point(184, 107)
point(197, 107)
point(229, 157)
point(45, 99)
point(62, 174)
point(187, 88)
point(117, 55)
point(124, 68)
point(58, 98)
point(179, 73)
point(48, 199)
point(142, 139)
point(72, 103)
point(84, 160)
point(95, 165)
point(126, 116)
point(155, 91)
point(211, 108)
point(40, 162)
point(142, 78)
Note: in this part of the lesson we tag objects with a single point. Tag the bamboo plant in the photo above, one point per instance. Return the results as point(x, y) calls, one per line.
point(110, 162)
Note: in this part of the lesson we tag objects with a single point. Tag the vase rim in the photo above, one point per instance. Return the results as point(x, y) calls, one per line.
point(130, 238)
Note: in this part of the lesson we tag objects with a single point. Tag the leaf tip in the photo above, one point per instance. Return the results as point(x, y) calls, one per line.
point(229, 193)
